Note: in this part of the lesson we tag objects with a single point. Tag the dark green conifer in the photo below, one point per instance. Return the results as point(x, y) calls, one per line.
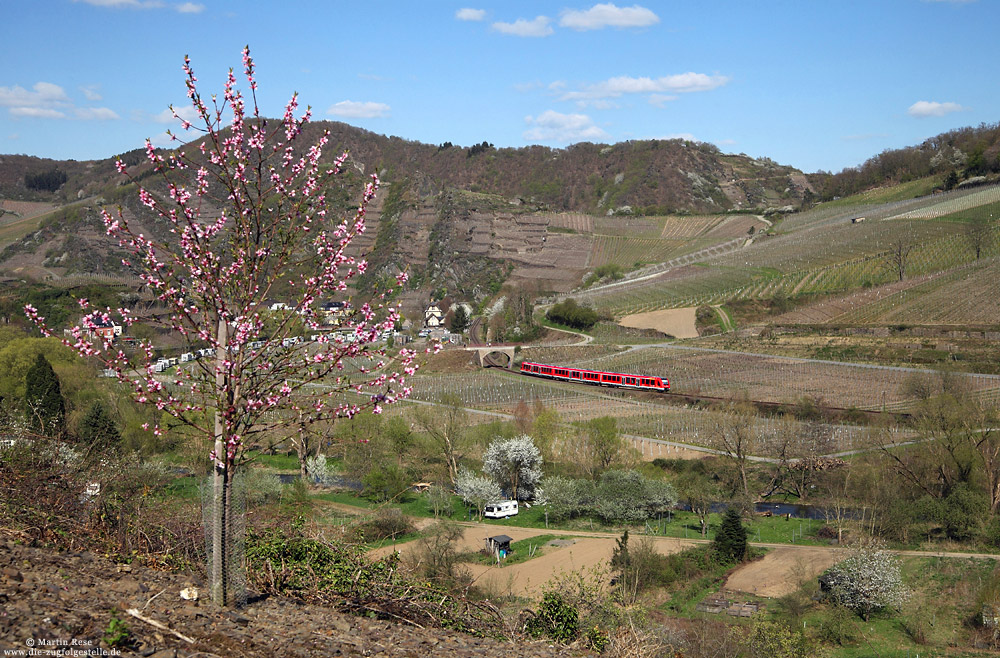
point(43, 398)
point(731, 541)
point(98, 428)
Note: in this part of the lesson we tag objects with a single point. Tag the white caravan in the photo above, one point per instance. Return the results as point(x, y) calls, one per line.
point(501, 510)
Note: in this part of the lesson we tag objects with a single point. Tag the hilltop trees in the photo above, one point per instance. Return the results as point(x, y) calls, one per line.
point(248, 214)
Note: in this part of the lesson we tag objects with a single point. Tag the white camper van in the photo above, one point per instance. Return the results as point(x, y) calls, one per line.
point(501, 510)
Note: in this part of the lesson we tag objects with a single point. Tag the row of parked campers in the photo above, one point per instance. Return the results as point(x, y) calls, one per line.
point(501, 510)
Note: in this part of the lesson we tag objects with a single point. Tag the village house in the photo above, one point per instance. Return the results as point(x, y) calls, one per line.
point(106, 330)
point(433, 317)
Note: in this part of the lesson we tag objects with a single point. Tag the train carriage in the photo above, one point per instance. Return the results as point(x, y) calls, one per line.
point(597, 377)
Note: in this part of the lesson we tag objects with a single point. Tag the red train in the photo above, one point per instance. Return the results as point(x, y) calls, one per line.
point(597, 377)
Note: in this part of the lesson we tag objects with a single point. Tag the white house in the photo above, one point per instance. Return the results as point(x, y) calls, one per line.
point(433, 316)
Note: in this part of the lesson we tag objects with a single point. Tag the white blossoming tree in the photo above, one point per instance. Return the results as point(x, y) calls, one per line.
point(477, 491)
point(249, 220)
point(868, 581)
point(515, 464)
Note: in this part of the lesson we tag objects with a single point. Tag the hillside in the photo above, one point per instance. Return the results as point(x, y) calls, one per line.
point(468, 220)
point(463, 219)
point(951, 157)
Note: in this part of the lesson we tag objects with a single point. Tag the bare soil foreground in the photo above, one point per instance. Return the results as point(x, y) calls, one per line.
point(59, 600)
point(678, 322)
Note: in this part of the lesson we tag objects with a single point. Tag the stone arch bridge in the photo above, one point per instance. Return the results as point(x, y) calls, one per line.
point(482, 352)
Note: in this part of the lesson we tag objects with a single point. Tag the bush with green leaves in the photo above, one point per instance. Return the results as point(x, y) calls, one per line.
point(284, 561)
point(571, 314)
point(388, 523)
point(617, 497)
point(772, 639)
point(386, 482)
point(555, 618)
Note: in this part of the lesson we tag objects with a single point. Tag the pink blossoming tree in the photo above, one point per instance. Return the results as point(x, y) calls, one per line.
point(249, 220)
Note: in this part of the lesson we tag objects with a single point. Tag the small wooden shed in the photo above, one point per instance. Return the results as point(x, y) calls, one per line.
point(499, 545)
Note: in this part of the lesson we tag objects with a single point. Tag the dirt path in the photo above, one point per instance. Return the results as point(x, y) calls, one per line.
point(677, 322)
point(588, 550)
point(778, 573)
point(782, 570)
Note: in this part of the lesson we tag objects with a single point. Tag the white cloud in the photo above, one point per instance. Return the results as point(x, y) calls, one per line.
point(164, 140)
point(358, 110)
point(600, 104)
point(539, 27)
point(607, 15)
point(44, 94)
point(95, 114)
point(923, 109)
point(682, 83)
point(37, 112)
point(90, 92)
point(183, 8)
point(660, 100)
point(185, 112)
point(130, 4)
point(467, 14)
point(550, 126)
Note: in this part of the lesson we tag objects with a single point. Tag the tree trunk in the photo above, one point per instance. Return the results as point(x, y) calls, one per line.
point(219, 514)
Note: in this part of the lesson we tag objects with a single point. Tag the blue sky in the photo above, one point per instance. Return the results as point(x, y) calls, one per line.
point(818, 84)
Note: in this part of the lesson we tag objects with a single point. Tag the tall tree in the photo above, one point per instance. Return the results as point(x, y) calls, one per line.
point(44, 403)
point(249, 218)
point(447, 428)
point(979, 234)
point(515, 464)
point(730, 542)
point(460, 321)
point(736, 436)
point(98, 429)
point(897, 258)
point(606, 447)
